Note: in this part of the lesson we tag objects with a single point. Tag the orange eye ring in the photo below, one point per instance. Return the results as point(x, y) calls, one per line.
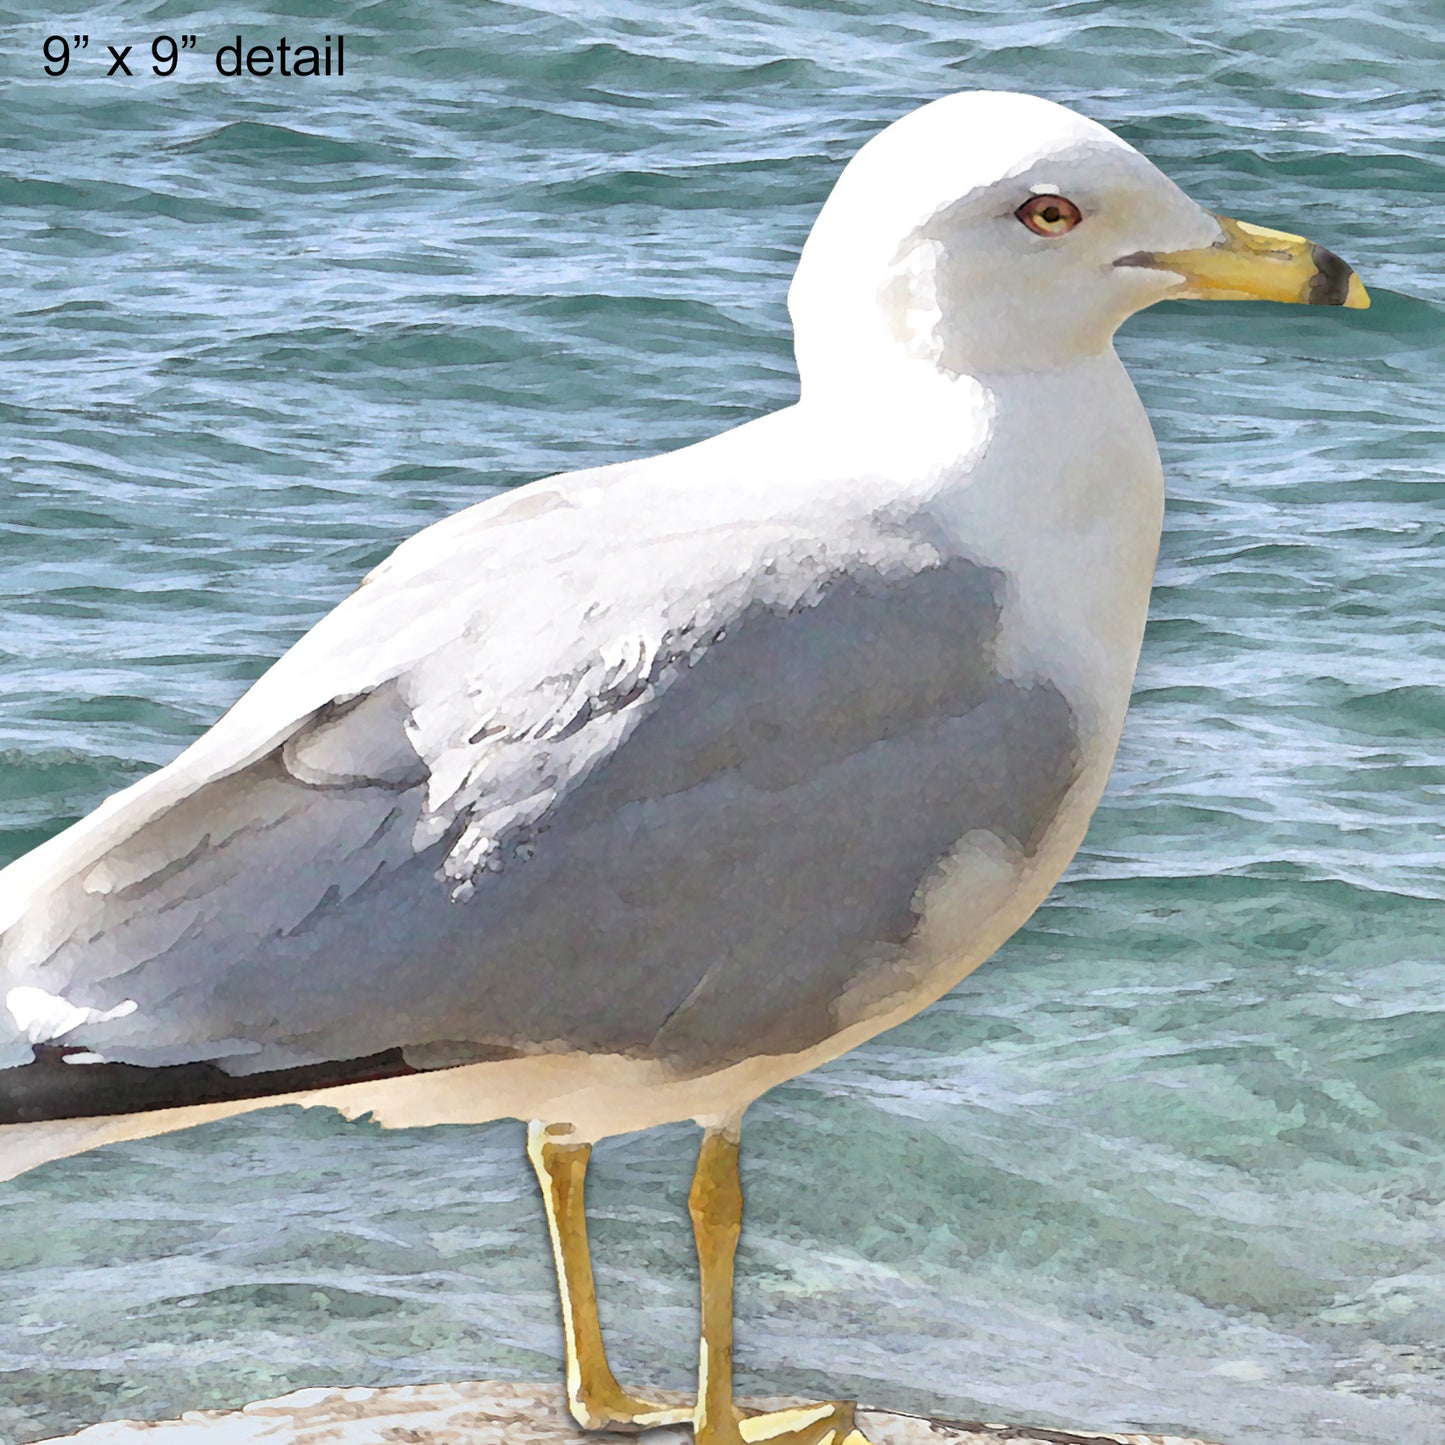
point(1049, 215)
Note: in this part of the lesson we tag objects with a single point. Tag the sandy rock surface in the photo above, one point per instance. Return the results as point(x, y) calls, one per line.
point(490, 1413)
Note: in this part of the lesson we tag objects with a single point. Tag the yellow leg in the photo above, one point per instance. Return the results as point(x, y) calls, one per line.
point(597, 1401)
point(716, 1206)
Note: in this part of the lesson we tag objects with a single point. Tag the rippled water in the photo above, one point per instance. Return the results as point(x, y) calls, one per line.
point(1176, 1156)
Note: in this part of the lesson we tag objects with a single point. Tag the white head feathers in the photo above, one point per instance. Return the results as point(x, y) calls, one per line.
point(918, 256)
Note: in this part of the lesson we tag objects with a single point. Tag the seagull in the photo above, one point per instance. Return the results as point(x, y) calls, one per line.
point(623, 796)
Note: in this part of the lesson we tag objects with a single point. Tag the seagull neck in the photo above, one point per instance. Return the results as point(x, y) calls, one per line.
point(885, 374)
point(918, 407)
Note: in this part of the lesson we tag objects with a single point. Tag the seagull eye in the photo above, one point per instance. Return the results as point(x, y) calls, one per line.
point(1049, 215)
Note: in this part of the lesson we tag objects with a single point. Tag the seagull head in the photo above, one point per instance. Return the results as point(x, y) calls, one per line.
point(992, 232)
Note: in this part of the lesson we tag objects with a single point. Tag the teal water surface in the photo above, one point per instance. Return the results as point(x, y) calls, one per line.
point(1176, 1156)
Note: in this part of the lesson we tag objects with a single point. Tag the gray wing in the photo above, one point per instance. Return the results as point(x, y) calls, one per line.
point(563, 773)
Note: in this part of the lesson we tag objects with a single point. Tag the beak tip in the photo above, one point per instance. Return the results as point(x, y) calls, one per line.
point(1356, 297)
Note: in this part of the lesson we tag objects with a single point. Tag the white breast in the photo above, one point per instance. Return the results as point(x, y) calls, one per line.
point(1068, 500)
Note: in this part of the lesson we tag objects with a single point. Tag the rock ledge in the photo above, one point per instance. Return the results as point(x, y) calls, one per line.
point(493, 1413)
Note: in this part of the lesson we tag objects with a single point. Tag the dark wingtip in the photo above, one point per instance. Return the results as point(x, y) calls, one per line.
point(48, 1088)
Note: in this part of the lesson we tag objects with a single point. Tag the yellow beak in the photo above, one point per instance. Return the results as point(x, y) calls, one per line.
point(1254, 264)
